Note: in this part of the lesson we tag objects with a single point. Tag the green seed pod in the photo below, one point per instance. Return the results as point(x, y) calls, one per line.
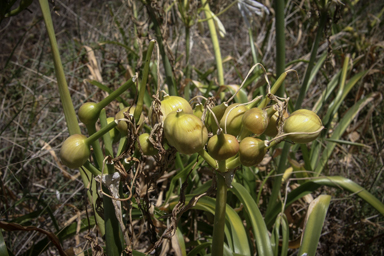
point(146, 146)
point(75, 152)
point(122, 126)
point(198, 110)
point(210, 122)
point(234, 119)
point(170, 104)
point(185, 132)
point(251, 151)
point(113, 133)
point(255, 120)
point(271, 130)
point(89, 113)
point(222, 146)
point(303, 120)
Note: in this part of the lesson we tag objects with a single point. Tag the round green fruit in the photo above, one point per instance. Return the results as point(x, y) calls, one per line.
point(271, 130)
point(233, 119)
point(146, 146)
point(303, 121)
point(255, 120)
point(186, 132)
point(170, 104)
point(75, 152)
point(89, 113)
point(122, 126)
point(223, 146)
point(251, 151)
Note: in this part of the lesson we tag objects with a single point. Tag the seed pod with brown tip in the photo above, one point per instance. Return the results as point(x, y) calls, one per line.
point(302, 121)
point(186, 132)
point(222, 146)
point(251, 151)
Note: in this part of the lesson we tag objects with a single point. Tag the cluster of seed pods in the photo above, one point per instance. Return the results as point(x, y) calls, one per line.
point(227, 132)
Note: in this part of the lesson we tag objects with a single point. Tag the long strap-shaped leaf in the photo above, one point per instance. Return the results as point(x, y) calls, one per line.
point(341, 127)
point(258, 225)
point(235, 232)
point(313, 225)
point(336, 181)
point(3, 246)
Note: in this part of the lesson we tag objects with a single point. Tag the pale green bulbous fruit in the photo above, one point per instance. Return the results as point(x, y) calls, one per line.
point(198, 110)
point(302, 121)
point(113, 133)
point(185, 132)
point(223, 146)
point(146, 146)
point(251, 151)
point(271, 130)
point(170, 104)
point(255, 120)
point(234, 119)
point(75, 152)
point(210, 122)
point(122, 126)
point(88, 113)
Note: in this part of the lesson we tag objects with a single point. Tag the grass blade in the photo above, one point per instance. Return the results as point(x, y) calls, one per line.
point(314, 224)
point(3, 246)
point(336, 181)
point(339, 130)
point(258, 225)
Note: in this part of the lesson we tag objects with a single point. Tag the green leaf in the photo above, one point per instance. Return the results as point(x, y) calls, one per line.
point(285, 235)
point(340, 129)
point(198, 248)
point(258, 225)
point(336, 181)
point(347, 142)
point(181, 175)
point(180, 240)
point(235, 233)
point(241, 96)
point(69, 231)
point(3, 246)
point(314, 224)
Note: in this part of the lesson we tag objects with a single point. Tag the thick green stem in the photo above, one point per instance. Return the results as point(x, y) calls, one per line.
point(254, 56)
point(304, 85)
point(93, 140)
point(106, 137)
point(207, 157)
point(215, 42)
point(167, 65)
point(143, 85)
point(187, 66)
point(280, 42)
point(69, 111)
point(65, 97)
point(277, 180)
point(221, 203)
point(115, 94)
point(96, 135)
